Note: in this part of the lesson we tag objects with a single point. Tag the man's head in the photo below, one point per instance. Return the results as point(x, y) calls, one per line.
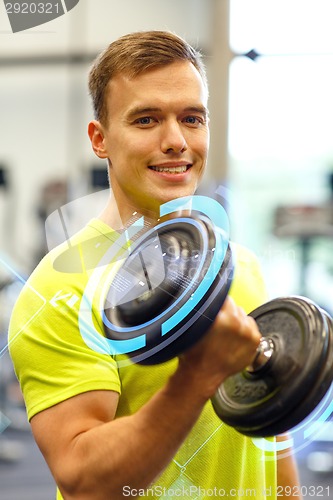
point(134, 54)
point(150, 95)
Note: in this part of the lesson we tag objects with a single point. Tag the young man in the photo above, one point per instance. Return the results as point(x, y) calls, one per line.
point(109, 430)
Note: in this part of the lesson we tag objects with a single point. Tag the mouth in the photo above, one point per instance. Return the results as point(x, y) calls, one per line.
point(168, 169)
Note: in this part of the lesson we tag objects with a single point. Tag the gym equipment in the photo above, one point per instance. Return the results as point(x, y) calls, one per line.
point(291, 373)
point(168, 292)
point(170, 288)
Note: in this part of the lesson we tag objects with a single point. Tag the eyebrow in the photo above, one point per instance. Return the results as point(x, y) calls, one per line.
point(141, 110)
point(198, 109)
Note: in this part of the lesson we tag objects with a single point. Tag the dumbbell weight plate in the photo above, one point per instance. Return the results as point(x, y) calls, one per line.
point(281, 394)
point(170, 287)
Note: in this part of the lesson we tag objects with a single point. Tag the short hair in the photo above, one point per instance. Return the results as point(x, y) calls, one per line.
point(136, 53)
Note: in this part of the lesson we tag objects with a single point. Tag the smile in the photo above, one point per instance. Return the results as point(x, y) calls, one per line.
point(171, 170)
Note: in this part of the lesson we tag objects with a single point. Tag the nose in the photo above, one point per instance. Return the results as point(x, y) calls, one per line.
point(173, 140)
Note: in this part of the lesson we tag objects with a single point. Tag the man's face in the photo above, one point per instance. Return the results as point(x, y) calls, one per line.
point(156, 137)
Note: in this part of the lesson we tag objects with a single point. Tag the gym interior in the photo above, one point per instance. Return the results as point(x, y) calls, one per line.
point(270, 165)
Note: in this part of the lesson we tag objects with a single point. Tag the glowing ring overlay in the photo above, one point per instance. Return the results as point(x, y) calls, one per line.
point(93, 337)
point(182, 312)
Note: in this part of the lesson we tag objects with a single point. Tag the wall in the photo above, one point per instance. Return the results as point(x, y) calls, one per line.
point(45, 107)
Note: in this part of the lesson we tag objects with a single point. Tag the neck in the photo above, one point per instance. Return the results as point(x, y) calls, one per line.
point(119, 217)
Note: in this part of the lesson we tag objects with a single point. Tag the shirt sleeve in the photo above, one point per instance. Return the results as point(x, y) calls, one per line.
point(51, 359)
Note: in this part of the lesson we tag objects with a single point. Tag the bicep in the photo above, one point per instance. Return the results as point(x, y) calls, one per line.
point(56, 429)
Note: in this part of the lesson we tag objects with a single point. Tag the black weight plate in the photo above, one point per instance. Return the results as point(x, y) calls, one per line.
point(160, 266)
point(279, 396)
point(160, 278)
point(317, 391)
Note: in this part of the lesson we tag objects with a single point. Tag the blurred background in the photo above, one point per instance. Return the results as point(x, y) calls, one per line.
point(269, 65)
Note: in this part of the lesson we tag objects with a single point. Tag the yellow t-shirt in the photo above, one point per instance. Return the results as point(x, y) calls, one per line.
point(58, 350)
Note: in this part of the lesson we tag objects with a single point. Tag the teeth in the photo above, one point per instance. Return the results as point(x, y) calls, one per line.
point(171, 170)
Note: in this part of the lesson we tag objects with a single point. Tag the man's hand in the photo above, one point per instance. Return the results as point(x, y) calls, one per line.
point(228, 347)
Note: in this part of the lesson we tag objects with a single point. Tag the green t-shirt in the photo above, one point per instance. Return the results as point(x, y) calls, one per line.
point(56, 322)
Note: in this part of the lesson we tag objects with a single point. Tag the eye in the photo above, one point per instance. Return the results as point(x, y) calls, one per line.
point(194, 120)
point(145, 120)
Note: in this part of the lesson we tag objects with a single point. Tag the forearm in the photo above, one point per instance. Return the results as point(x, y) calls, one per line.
point(287, 472)
point(132, 451)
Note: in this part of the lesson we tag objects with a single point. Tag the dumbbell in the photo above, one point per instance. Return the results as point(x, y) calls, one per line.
point(167, 293)
point(291, 373)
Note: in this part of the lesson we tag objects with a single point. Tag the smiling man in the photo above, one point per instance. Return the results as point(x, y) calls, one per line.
point(109, 430)
point(155, 134)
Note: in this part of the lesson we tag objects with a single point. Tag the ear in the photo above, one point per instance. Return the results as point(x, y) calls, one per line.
point(97, 139)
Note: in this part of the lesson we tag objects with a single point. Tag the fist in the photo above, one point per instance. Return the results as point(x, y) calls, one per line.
point(228, 347)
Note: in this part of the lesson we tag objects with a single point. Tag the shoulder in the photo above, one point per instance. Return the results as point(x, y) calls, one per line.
point(61, 276)
point(75, 258)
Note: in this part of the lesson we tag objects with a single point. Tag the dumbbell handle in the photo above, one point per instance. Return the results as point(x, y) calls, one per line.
point(263, 355)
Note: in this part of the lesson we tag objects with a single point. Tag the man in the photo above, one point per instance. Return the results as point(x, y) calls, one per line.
point(108, 430)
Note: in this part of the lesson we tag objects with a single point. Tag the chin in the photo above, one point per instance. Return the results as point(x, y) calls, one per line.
point(153, 209)
point(178, 193)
